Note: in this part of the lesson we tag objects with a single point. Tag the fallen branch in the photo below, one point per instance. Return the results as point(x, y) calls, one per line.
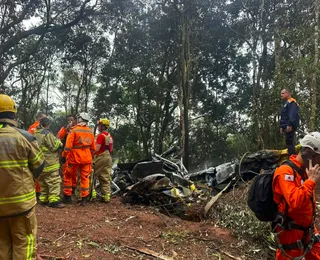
point(51, 257)
point(229, 255)
point(149, 252)
point(59, 238)
point(214, 199)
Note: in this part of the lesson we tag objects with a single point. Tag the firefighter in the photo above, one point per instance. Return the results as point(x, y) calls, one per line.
point(78, 152)
point(34, 126)
point(31, 130)
point(62, 135)
point(21, 161)
point(289, 121)
point(103, 160)
point(294, 193)
point(50, 179)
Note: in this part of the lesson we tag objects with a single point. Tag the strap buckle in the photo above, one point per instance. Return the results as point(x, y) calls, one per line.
point(300, 244)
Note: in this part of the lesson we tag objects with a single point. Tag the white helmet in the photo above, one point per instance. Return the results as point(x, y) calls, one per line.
point(312, 141)
point(85, 116)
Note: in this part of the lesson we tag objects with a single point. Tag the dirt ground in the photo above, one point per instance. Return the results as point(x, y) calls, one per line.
point(119, 231)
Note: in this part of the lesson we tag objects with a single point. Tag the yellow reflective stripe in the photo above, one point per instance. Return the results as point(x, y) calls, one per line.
point(19, 198)
point(37, 158)
point(30, 246)
point(54, 199)
point(44, 149)
point(82, 131)
point(1, 125)
point(51, 167)
point(57, 145)
point(13, 163)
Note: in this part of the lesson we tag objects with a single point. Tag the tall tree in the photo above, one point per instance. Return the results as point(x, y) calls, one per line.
point(53, 16)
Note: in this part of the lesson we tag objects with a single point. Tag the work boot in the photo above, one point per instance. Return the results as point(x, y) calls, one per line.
point(84, 201)
point(43, 203)
point(56, 204)
point(38, 196)
point(67, 199)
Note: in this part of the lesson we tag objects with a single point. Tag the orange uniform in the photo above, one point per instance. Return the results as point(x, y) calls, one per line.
point(62, 135)
point(79, 148)
point(33, 127)
point(31, 130)
point(63, 132)
point(297, 195)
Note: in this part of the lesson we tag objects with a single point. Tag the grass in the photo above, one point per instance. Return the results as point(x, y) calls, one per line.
point(173, 236)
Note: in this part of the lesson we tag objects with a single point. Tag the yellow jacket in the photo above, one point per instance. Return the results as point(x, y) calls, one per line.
point(49, 145)
point(21, 161)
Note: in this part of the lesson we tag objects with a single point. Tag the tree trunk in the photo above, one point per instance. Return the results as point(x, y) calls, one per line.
point(314, 91)
point(277, 58)
point(185, 63)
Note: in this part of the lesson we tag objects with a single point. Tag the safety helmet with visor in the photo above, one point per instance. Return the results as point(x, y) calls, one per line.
point(312, 141)
point(84, 116)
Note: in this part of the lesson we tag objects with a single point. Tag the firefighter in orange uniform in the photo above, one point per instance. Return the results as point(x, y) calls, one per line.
point(62, 135)
point(295, 231)
point(31, 130)
point(21, 161)
point(80, 146)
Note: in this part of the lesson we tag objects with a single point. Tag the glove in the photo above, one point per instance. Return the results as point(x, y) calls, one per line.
point(63, 160)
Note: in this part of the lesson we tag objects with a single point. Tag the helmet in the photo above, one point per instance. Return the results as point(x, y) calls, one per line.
point(7, 104)
point(312, 141)
point(104, 121)
point(85, 116)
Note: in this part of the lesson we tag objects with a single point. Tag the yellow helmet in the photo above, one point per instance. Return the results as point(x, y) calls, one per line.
point(7, 104)
point(104, 121)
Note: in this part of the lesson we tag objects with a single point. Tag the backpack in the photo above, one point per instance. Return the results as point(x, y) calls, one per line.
point(260, 198)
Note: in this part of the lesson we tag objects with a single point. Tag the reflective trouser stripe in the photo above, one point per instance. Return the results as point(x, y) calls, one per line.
point(54, 199)
point(30, 246)
point(94, 194)
point(43, 198)
point(106, 197)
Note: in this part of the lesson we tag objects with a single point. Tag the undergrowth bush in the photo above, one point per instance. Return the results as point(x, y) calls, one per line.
point(231, 211)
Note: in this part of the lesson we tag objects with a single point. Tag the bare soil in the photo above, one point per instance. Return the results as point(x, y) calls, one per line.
point(119, 231)
point(115, 230)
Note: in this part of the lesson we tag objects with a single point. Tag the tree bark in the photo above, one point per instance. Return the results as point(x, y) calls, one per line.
point(314, 90)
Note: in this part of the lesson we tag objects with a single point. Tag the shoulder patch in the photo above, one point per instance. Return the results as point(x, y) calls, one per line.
point(26, 134)
point(289, 177)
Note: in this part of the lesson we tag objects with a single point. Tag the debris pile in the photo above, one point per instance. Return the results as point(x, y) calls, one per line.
point(167, 185)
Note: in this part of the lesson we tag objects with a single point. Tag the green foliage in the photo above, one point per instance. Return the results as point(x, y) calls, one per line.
point(122, 60)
